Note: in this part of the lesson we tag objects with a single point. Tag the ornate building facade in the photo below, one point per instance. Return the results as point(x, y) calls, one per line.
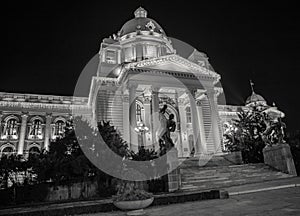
point(140, 70)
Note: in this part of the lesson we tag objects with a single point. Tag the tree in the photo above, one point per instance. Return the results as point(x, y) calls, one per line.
point(66, 162)
point(246, 135)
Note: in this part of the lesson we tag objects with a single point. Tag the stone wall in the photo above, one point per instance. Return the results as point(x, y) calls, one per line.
point(174, 175)
point(279, 157)
point(73, 191)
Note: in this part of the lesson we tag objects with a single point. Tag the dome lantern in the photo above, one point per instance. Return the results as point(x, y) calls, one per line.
point(140, 12)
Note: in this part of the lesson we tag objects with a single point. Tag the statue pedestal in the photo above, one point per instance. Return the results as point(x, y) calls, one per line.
point(279, 157)
point(173, 170)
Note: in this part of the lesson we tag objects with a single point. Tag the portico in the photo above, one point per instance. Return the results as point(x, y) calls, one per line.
point(139, 92)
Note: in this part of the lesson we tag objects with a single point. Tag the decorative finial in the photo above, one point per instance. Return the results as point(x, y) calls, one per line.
point(252, 84)
point(140, 12)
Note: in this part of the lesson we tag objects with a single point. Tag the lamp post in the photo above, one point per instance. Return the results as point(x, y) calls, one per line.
point(141, 129)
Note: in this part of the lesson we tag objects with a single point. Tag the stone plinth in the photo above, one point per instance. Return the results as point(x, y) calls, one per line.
point(234, 157)
point(174, 175)
point(279, 157)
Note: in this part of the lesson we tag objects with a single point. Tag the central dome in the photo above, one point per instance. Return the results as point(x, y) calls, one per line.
point(141, 23)
point(254, 98)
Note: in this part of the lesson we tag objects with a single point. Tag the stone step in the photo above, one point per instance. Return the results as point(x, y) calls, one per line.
point(232, 175)
point(237, 178)
point(220, 176)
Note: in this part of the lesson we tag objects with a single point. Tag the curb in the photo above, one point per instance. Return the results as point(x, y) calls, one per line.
point(263, 189)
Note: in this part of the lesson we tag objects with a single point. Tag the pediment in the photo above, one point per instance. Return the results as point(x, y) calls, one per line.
point(174, 63)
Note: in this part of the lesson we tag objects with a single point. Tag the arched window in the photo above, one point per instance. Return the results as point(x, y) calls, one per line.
point(7, 151)
point(138, 113)
point(11, 129)
point(36, 130)
point(59, 128)
point(188, 114)
point(34, 150)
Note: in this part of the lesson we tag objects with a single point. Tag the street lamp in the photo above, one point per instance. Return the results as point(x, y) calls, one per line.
point(141, 129)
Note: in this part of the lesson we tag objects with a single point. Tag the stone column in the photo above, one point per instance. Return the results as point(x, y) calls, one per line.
point(24, 117)
point(201, 127)
point(183, 129)
point(147, 120)
point(126, 123)
point(1, 124)
point(178, 126)
point(47, 131)
point(215, 120)
point(132, 119)
point(155, 114)
point(195, 120)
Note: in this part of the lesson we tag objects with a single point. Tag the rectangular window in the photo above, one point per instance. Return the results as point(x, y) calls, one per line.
point(111, 57)
point(188, 115)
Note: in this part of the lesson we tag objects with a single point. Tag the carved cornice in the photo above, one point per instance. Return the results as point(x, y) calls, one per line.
point(37, 98)
point(28, 105)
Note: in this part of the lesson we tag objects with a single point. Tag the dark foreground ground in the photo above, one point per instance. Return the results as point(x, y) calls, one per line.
point(284, 201)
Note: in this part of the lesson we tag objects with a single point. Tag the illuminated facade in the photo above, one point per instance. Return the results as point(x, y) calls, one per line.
point(140, 69)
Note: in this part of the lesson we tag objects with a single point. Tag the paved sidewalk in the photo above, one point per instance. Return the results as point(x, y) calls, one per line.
point(263, 186)
point(280, 197)
point(268, 193)
point(274, 202)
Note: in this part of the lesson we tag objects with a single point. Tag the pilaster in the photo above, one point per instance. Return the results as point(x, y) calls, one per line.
point(47, 131)
point(132, 119)
point(24, 117)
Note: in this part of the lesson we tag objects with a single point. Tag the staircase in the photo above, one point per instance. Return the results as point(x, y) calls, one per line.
point(220, 173)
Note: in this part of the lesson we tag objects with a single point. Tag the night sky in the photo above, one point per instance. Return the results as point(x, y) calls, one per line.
point(46, 44)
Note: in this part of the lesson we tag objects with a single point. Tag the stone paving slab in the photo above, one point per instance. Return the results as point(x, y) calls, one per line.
point(275, 202)
point(107, 205)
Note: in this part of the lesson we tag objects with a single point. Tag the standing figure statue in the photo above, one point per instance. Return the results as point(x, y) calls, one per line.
point(171, 126)
point(164, 131)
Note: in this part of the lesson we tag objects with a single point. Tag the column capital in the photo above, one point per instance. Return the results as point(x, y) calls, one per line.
point(181, 101)
point(147, 99)
point(48, 115)
point(210, 91)
point(125, 98)
point(192, 93)
point(198, 102)
point(132, 85)
point(155, 89)
point(24, 115)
